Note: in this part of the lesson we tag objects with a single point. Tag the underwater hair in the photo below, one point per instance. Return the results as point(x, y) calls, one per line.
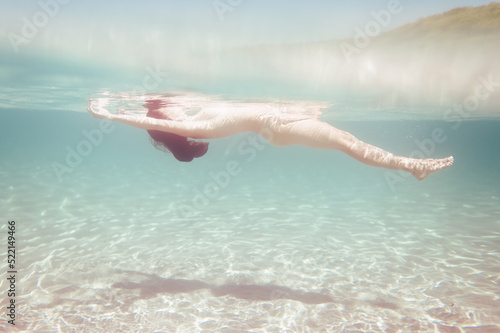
point(183, 149)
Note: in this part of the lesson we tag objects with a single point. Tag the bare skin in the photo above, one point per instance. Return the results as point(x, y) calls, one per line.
point(220, 120)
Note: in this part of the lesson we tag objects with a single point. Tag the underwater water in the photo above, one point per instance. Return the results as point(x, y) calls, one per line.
point(115, 236)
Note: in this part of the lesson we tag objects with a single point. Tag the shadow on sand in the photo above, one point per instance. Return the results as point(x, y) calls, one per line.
point(150, 286)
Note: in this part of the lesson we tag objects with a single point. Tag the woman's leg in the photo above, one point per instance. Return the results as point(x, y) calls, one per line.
point(371, 155)
point(318, 134)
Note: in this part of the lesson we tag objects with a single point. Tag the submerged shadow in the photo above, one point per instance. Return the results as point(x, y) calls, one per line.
point(150, 285)
point(156, 285)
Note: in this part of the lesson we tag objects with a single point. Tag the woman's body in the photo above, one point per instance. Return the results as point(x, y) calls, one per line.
point(220, 120)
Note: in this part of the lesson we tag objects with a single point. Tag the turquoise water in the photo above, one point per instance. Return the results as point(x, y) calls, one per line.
point(113, 235)
point(124, 238)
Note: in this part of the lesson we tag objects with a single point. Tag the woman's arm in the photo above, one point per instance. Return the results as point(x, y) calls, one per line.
point(184, 128)
point(130, 119)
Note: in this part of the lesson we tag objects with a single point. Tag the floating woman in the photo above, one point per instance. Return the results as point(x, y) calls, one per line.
point(172, 130)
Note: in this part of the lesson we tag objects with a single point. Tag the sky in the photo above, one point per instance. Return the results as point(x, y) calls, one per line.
point(228, 21)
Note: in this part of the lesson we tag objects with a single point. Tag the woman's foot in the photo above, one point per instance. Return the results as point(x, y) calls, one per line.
point(423, 168)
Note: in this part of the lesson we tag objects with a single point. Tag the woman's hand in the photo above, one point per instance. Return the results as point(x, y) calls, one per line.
point(96, 109)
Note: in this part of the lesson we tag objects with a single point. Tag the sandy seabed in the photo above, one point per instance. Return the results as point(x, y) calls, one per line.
point(106, 257)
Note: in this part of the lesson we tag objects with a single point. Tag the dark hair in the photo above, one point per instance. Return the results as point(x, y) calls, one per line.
point(183, 149)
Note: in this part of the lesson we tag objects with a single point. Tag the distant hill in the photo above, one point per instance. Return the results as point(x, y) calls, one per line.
point(457, 27)
point(463, 20)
